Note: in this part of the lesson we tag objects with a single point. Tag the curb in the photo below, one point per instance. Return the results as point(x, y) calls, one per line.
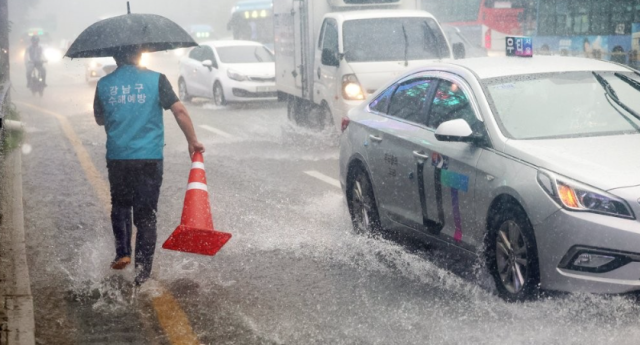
point(18, 325)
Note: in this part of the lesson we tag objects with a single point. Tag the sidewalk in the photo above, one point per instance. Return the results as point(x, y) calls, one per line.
point(16, 304)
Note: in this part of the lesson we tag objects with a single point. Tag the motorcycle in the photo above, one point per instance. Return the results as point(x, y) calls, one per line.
point(37, 83)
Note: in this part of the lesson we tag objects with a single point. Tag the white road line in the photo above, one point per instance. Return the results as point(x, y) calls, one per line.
point(216, 131)
point(324, 178)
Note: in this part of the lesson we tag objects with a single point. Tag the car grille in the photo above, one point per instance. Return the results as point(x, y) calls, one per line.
point(262, 80)
point(246, 94)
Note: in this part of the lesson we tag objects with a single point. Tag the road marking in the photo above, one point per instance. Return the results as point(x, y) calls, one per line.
point(172, 318)
point(216, 131)
point(324, 178)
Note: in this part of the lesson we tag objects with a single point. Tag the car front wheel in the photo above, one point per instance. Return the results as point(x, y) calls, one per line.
point(218, 95)
point(362, 203)
point(512, 255)
point(182, 90)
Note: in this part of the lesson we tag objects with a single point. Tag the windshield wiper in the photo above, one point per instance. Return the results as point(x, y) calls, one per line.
point(632, 82)
point(406, 46)
point(255, 54)
point(612, 94)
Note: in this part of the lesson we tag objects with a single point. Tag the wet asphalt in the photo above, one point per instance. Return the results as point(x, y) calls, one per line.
point(293, 273)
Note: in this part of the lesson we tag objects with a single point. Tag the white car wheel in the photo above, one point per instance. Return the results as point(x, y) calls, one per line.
point(218, 95)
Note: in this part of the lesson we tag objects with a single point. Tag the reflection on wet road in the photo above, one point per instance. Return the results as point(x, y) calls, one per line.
point(294, 272)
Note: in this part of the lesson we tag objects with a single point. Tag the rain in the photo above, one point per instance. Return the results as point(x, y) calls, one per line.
point(319, 172)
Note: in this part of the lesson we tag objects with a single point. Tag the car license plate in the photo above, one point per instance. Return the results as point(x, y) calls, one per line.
point(266, 88)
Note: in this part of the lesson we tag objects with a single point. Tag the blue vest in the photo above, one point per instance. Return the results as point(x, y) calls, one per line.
point(132, 113)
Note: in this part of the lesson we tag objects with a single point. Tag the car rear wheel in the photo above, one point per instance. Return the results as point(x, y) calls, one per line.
point(362, 203)
point(218, 95)
point(294, 110)
point(512, 255)
point(182, 90)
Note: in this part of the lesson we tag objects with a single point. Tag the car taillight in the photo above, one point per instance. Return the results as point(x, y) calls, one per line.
point(345, 123)
point(487, 39)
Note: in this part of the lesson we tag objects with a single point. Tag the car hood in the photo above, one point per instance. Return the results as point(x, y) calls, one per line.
point(605, 162)
point(372, 75)
point(261, 70)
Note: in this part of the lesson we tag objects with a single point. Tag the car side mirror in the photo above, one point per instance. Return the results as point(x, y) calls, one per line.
point(456, 131)
point(459, 51)
point(330, 58)
point(208, 64)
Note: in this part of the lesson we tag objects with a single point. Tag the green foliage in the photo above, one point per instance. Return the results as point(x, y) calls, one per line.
point(12, 139)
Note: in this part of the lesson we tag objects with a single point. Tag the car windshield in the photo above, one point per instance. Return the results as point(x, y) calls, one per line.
point(564, 105)
point(393, 39)
point(245, 54)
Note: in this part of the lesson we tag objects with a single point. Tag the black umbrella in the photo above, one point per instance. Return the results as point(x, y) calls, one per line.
point(143, 32)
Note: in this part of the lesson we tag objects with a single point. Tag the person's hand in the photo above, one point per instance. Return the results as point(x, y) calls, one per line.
point(195, 147)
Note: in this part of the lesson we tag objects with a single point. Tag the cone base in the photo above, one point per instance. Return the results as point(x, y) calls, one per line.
point(196, 241)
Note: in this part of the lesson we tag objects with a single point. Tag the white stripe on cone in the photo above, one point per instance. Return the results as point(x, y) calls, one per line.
point(197, 185)
point(197, 165)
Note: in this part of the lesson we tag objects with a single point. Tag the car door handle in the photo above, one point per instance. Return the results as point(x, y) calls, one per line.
point(374, 138)
point(420, 155)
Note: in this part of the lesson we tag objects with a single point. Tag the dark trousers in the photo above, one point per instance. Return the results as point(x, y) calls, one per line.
point(135, 185)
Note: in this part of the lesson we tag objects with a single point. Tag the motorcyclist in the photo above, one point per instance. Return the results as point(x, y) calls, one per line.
point(34, 59)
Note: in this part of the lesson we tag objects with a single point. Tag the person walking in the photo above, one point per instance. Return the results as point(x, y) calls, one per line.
point(129, 103)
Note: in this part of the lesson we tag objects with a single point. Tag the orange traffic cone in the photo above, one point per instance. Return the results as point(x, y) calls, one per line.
point(195, 233)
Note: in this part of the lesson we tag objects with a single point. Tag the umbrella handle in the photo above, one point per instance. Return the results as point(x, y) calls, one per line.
point(128, 8)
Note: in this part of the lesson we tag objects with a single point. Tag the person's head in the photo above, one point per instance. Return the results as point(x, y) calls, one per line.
point(127, 57)
point(35, 40)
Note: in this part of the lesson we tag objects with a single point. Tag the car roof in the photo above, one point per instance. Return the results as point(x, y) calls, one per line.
point(230, 43)
point(493, 67)
point(372, 14)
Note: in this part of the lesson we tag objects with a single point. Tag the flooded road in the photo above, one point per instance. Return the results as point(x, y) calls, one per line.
point(293, 273)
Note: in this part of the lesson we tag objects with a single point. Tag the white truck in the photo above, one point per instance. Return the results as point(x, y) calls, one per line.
point(331, 54)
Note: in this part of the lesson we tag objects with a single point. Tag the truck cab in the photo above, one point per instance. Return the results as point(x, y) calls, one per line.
point(372, 47)
point(329, 58)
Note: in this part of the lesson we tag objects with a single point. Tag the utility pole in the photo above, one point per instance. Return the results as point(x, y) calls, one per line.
point(4, 41)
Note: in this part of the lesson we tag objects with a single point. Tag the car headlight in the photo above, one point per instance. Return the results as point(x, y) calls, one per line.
point(235, 75)
point(575, 196)
point(52, 54)
point(351, 89)
point(144, 60)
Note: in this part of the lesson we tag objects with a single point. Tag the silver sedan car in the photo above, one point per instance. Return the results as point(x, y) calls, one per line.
point(532, 164)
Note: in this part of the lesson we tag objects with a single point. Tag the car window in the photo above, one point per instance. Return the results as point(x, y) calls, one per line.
point(565, 105)
point(409, 100)
point(207, 53)
point(322, 30)
point(393, 39)
point(330, 37)
point(196, 54)
point(381, 103)
point(245, 54)
point(450, 103)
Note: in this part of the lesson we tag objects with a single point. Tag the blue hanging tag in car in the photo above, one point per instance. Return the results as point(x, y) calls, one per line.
point(519, 46)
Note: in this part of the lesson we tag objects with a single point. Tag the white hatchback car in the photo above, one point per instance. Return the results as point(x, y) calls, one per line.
point(228, 71)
